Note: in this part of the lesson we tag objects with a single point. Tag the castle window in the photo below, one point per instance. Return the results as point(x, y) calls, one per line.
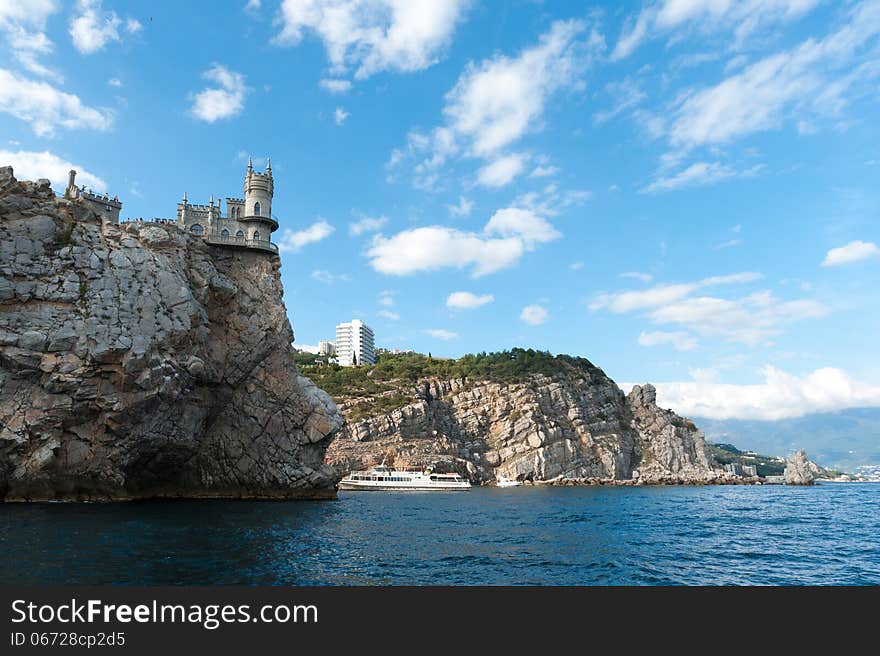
point(257, 208)
point(225, 234)
point(256, 235)
point(196, 229)
point(239, 235)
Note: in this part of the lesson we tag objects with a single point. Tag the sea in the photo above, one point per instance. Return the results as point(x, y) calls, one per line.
point(718, 535)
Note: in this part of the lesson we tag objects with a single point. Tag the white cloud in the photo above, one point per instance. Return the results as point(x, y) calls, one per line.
point(626, 95)
point(292, 241)
point(47, 108)
point(366, 224)
point(813, 76)
point(682, 341)
point(440, 333)
point(253, 6)
point(467, 300)
point(497, 101)
point(335, 85)
point(544, 171)
point(386, 299)
point(780, 396)
point(730, 243)
point(697, 174)
point(92, 28)
point(534, 315)
point(508, 234)
point(371, 36)
point(29, 165)
point(322, 275)
point(339, 115)
point(437, 247)
point(463, 208)
point(576, 266)
point(388, 314)
point(852, 252)
point(114, 82)
point(501, 171)
point(23, 27)
point(644, 277)
point(221, 102)
point(525, 224)
point(133, 26)
point(741, 16)
point(750, 319)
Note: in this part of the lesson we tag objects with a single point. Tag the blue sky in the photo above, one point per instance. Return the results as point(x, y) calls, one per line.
point(683, 191)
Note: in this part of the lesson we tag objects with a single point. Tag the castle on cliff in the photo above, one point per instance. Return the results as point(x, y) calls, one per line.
point(248, 222)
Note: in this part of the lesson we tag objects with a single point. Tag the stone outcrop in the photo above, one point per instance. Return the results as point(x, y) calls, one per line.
point(799, 470)
point(576, 426)
point(138, 361)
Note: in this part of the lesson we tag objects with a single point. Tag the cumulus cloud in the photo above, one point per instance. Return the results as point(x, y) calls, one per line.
point(508, 234)
point(852, 252)
point(23, 26)
point(30, 165)
point(47, 108)
point(497, 101)
point(501, 171)
point(370, 36)
point(440, 333)
point(339, 115)
point(388, 314)
point(467, 300)
point(292, 241)
point(741, 16)
point(223, 101)
point(534, 315)
point(366, 224)
point(781, 395)
point(92, 28)
point(463, 208)
point(680, 340)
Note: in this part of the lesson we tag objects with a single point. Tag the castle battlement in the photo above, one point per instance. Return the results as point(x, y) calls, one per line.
point(248, 222)
point(108, 208)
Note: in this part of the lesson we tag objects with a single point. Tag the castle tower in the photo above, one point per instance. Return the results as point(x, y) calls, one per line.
point(258, 191)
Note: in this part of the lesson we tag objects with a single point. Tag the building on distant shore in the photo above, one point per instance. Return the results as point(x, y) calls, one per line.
point(326, 347)
point(354, 344)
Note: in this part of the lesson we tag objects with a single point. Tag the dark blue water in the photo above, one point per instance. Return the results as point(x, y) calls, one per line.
point(828, 534)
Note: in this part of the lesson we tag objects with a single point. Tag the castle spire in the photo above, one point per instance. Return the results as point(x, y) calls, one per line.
point(250, 165)
point(268, 165)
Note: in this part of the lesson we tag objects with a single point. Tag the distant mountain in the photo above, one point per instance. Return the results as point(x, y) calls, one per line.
point(839, 440)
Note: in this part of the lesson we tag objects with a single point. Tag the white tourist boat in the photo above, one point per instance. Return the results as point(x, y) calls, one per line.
point(503, 481)
point(381, 477)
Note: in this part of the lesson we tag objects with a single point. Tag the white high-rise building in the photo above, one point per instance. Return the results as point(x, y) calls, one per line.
point(354, 344)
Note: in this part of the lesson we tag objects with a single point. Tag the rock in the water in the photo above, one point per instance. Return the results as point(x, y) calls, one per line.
point(139, 361)
point(799, 469)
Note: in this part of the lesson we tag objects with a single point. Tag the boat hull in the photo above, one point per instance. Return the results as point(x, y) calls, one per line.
point(376, 486)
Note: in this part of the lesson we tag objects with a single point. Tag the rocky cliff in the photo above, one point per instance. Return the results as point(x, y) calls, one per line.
point(799, 470)
point(574, 425)
point(138, 361)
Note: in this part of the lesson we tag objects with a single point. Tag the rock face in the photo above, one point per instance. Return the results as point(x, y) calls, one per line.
point(799, 469)
point(138, 361)
point(577, 426)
